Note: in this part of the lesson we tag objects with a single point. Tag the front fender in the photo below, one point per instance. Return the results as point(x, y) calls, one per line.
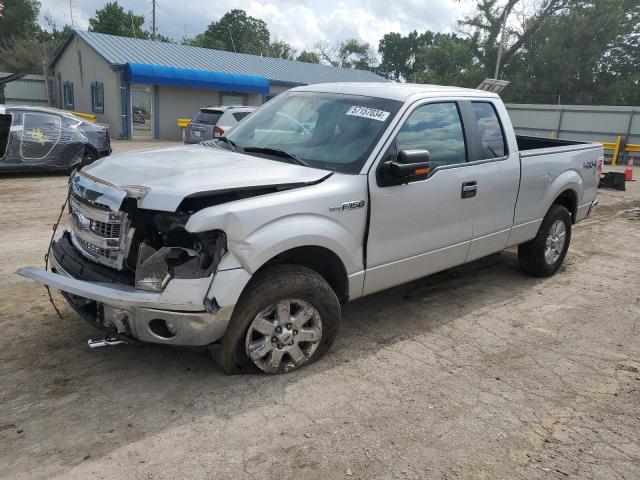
point(301, 230)
point(259, 228)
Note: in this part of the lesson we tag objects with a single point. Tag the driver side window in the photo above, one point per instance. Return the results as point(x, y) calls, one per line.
point(435, 127)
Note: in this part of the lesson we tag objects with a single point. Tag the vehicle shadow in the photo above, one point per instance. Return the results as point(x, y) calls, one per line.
point(121, 395)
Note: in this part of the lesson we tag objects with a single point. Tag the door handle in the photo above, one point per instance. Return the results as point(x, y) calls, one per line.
point(469, 189)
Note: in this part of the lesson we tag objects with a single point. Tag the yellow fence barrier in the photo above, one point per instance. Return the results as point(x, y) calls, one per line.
point(85, 116)
point(617, 150)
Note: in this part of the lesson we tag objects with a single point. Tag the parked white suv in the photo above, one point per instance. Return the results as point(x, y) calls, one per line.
point(213, 122)
point(250, 243)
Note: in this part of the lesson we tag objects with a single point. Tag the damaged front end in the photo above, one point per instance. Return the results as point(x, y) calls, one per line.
point(134, 272)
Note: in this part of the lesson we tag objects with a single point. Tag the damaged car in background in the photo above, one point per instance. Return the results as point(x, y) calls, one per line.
point(249, 243)
point(47, 139)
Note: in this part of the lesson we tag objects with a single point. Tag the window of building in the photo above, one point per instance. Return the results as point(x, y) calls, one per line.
point(67, 94)
point(230, 99)
point(97, 97)
point(435, 127)
point(491, 133)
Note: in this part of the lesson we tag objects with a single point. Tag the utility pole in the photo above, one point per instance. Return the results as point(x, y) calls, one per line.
point(153, 19)
point(71, 12)
point(133, 28)
point(45, 74)
point(500, 47)
point(232, 42)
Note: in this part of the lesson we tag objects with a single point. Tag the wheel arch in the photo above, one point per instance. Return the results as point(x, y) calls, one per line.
point(319, 259)
point(568, 199)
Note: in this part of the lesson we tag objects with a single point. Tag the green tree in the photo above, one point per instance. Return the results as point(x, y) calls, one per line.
point(485, 26)
point(113, 20)
point(399, 52)
point(19, 20)
point(347, 54)
point(22, 55)
point(236, 31)
point(308, 57)
point(26, 54)
point(588, 54)
point(448, 59)
point(280, 49)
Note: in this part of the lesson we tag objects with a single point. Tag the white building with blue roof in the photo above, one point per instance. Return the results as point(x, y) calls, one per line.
point(141, 87)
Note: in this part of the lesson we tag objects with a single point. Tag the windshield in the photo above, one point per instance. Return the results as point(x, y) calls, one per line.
point(324, 130)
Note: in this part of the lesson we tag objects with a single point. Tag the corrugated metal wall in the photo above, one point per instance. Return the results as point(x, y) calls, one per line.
point(576, 122)
point(29, 90)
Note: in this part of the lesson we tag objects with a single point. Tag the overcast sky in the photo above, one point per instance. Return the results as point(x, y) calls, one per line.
point(301, 23)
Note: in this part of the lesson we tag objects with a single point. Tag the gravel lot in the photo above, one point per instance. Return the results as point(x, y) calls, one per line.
point(479, 372)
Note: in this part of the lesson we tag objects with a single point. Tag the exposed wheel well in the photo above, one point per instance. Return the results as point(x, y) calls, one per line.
point(568, 200)
point(90, 149)
point(321, 260)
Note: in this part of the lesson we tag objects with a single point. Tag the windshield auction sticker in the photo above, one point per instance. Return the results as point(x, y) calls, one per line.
point(366, 112)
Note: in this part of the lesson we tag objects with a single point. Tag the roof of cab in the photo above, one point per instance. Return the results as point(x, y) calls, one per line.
point(395, 91)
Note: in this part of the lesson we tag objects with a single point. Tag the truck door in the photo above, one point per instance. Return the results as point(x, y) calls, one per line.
point(5, 130)
point(425, 225)
point(495, 169)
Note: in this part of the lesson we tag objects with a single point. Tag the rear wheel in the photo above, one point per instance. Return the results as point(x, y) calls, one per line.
point(543, 255)
point(287, 318)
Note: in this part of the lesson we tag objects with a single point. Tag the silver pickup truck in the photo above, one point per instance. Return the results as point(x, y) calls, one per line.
point(250, 243)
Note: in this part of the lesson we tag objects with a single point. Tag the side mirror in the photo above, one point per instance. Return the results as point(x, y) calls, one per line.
point(410, 163)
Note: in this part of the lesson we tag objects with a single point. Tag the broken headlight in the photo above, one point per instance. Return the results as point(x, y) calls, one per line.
point(154, 268)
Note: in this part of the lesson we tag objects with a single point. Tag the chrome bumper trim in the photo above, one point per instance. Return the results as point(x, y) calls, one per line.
point(111, 293)
point(139, 307)
point(185, 295)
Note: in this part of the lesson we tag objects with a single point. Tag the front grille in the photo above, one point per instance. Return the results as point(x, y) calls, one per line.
point(97, 252)
point(90, 203)
point(105, 229)
point(98, 232)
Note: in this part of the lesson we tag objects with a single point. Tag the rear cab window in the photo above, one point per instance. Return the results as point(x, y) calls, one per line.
point(491, 133)
point(208, 117)
point(240, 115)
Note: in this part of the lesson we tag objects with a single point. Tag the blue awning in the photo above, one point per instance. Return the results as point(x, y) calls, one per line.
point(188, 77)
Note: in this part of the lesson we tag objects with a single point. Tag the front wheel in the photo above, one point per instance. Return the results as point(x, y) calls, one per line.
point(287, 318)
point(543, 255)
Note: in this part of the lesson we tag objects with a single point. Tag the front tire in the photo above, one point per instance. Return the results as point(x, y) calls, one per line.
point(288, 317)
point(543, 255)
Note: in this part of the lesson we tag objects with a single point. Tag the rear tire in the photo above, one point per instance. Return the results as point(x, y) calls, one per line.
point(288, 317)
point(543, 255)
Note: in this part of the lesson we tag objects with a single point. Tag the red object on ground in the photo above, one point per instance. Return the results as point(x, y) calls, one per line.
point(628, 172)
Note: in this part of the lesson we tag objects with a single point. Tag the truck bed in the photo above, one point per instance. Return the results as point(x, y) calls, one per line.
point(532, 146)
point(547, 167)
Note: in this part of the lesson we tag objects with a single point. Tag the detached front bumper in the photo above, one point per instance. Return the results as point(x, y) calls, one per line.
point(175, 316)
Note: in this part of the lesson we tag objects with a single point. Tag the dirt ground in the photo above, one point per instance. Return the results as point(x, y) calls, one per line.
point(480, 372)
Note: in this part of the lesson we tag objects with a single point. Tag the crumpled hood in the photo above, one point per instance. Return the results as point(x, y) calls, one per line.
point(173, 173)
